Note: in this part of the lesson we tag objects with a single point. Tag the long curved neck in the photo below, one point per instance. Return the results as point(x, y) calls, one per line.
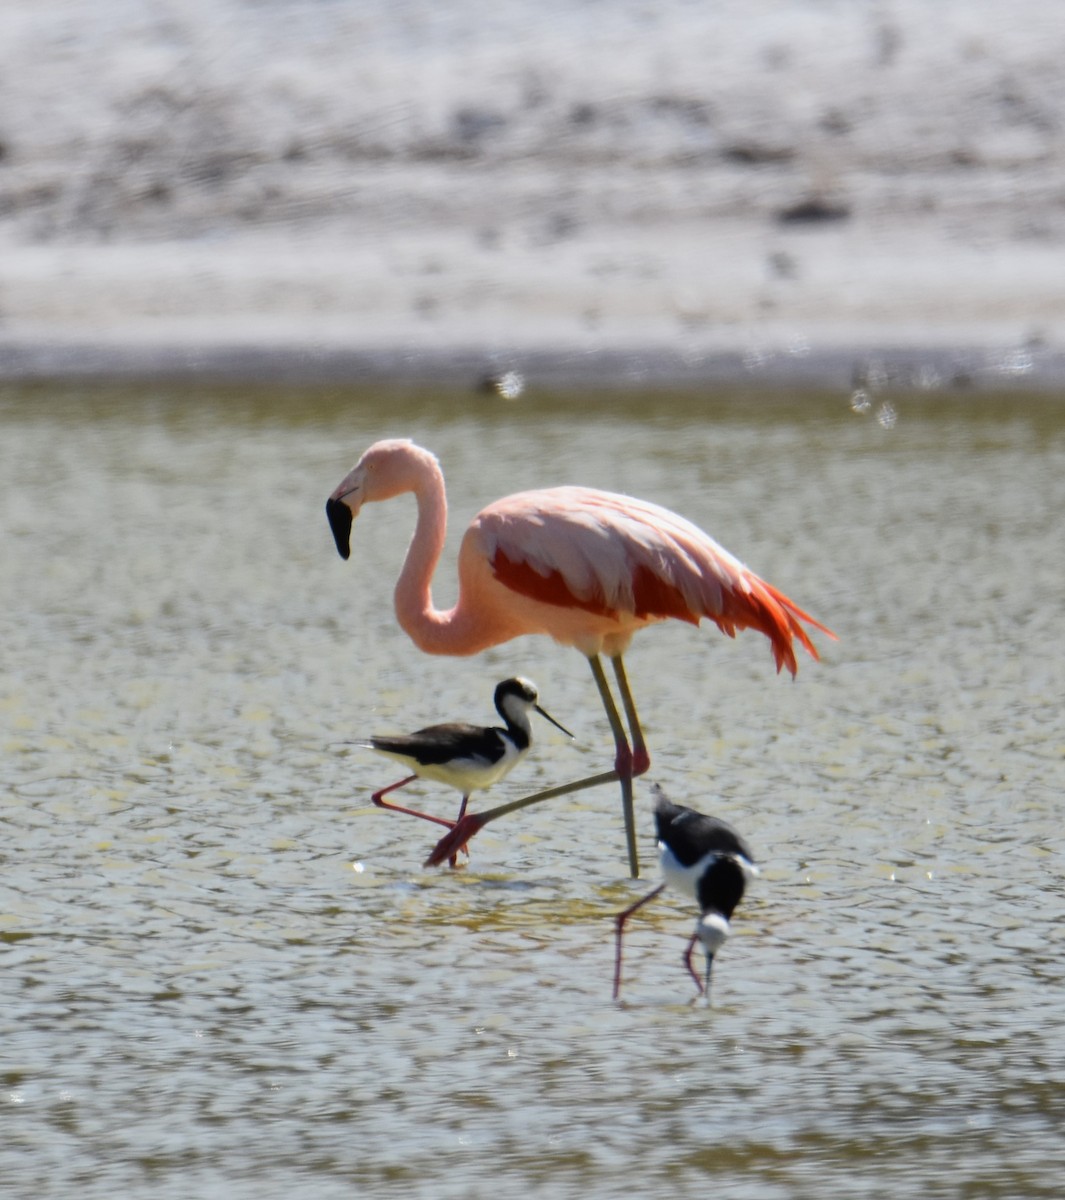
point(472, 625)
point(414, 595)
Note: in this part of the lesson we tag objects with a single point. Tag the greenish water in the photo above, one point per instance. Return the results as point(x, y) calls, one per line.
point(226, 974)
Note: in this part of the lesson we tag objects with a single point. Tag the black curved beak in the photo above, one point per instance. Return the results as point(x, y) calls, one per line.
point(340, 523)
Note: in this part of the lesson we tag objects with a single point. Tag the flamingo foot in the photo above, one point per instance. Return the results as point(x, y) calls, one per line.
point(453, 860)
point(454, 841)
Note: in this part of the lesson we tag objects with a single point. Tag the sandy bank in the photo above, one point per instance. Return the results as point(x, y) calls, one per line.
point(686, 191)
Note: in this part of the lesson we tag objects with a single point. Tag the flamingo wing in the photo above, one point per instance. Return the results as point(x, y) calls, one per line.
point(624, 558)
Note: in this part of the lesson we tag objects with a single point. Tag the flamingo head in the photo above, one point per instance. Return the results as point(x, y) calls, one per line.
point(389, 468)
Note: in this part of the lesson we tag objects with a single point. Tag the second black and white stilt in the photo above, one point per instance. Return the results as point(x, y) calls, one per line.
point(466, 757)
point(705, 860)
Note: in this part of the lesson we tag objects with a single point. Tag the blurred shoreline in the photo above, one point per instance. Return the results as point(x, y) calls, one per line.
point(585, 193)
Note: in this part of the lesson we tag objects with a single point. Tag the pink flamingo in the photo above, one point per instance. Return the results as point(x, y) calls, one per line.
point(586, 567)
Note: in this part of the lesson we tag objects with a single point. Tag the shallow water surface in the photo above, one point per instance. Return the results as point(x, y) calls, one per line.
point(226, 974)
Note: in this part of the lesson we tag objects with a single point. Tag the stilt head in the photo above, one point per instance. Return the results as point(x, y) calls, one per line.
point(514, 698)
point(712, 931)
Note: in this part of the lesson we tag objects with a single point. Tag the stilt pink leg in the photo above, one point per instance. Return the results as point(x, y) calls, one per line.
point(619, 922)
point(688, 963)
point(453, 861)
point(379, 799)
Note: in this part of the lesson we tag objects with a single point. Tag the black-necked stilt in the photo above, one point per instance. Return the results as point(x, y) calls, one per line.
point(465, 757)
point(705, 860)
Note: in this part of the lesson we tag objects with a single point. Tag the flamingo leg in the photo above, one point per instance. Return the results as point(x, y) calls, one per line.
point(623, 757)
point(619, 923)
point(623, 752)
point(473, 823)
point(641, 759)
